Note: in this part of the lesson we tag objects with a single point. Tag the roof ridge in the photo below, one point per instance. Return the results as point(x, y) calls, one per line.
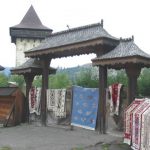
point(127, 39)
point(78, 28)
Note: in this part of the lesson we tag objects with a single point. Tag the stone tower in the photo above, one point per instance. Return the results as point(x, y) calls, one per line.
point(28, 34)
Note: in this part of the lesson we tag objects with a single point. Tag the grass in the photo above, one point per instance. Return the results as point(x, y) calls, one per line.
point(105, 146)
point(78, 148)
point(5, 148)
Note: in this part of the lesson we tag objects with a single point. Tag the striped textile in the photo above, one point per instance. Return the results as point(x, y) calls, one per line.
point(128, 116)
point(145, 130)
point(146, 141)
point(137, 124)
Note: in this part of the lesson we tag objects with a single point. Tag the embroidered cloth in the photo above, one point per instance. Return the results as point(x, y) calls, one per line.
point(146, 137)
point(145, 130)
point(56, 102)
point(115, 98)
point(85, 105)
point(128, 119)
point(138, 124)
point(34, 100)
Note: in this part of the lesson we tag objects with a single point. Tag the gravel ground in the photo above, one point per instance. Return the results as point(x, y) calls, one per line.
point(31, 137)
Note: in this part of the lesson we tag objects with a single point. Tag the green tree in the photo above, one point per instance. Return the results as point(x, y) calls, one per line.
point(144, 82)
point(19, 79)
point(117, 77)
point(3, 80)
point(37, 81)
point(60, 80)
point(86, 78)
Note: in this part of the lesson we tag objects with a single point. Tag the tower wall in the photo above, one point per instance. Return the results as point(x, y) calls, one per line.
point(22, 45)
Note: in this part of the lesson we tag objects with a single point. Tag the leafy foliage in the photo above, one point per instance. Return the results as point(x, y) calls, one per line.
point(117, 77)
point(3, 80)
point(60, 80)
point(86, 78)
point(37, 81)
point(144, 82)
point(19, 79)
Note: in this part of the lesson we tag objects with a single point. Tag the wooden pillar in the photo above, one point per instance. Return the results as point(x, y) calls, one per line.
point(45, 66)
point(101, 118)
point(28, 79)
point(133, 72)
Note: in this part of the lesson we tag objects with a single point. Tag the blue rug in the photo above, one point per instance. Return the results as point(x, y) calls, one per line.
point(85, 105)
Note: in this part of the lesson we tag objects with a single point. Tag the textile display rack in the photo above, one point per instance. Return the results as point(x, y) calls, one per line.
point(137, 124)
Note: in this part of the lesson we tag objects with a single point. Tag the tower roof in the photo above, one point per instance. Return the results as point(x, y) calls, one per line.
point(30, 27)
point(31, 21)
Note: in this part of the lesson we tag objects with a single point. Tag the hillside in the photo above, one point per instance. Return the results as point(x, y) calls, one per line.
point(6, 71)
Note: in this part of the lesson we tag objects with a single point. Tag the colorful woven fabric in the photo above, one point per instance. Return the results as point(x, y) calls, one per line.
point(128, 118)
point(137, 125)
point(146, 136)
point(85, 105)
point(145, 130)
point(34, 100)
point(56, 102)
point(115, 98)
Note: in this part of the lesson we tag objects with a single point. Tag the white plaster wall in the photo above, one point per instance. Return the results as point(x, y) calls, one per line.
point(23, 45)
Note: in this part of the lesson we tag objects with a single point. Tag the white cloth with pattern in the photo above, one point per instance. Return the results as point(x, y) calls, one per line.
point(56, 102)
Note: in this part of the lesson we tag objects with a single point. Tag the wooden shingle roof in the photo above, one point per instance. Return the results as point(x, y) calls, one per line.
point(31, 21)
point(60, 40)
point(126, 52)
point(31, 66)
point(30, 27)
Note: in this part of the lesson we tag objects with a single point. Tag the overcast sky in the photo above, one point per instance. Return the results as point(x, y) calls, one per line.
point(122, 18)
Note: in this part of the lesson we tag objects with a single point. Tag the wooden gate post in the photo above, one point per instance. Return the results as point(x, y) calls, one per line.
point(133, 72)
point(28, 79)
point(101, 118)
point(45, 66)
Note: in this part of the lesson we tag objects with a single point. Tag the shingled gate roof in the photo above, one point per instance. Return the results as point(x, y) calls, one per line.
point(60, 41)
point(126, 52)
point(31, 66)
